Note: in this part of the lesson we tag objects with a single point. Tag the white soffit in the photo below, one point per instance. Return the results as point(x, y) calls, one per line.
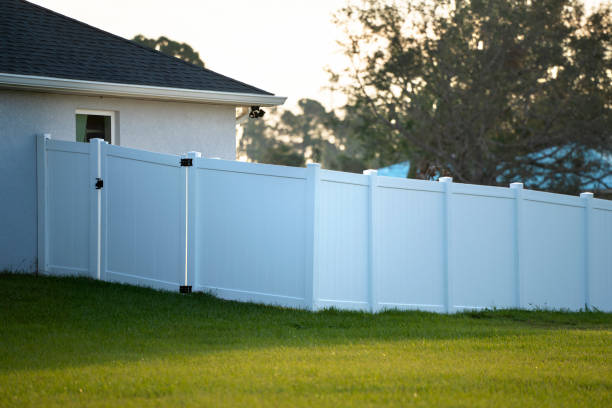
point(81, 87)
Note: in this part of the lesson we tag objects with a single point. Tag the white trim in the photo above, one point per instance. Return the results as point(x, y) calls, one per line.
point(323, 304)
point(255, 297)
point(81, 87)
point(99, 113)
point(94, 112)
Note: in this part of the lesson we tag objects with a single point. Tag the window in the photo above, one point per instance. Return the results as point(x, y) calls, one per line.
point(91, 124)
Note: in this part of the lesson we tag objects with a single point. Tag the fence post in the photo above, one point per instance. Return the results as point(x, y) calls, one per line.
point(588, 209)
point(448, 288)
point(518, 217)
point(313, 177)
point(95, 208)
point(372, 209)
point(41, 201)
point(191, 233)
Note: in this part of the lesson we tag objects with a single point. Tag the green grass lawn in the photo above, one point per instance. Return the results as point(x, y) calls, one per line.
point(78, 342)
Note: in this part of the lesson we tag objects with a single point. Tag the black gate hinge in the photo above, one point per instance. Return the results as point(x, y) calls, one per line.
point(186, 162)
point(99, 183)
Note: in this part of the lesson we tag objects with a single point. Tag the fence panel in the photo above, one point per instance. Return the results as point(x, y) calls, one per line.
point(67, 208)
point(342, 241)
point(251, 232)
point(481, 251)
point(552, 253)
point(600, 255)
point(144, 218)
point(410, 248)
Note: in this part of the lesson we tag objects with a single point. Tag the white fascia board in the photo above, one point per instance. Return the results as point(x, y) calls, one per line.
point(74, 86)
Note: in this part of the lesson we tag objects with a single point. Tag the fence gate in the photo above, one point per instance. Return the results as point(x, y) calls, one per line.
point(112, 213)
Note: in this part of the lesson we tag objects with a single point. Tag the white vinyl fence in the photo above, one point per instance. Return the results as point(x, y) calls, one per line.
point(313, 238)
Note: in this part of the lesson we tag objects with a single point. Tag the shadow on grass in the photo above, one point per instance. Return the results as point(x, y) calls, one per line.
point(49, 322)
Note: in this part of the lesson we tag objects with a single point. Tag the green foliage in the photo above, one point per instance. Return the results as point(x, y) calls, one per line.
point(313, 134)
point(473, 89)
point(171, 48)
point(259, 145)
point(78, 342)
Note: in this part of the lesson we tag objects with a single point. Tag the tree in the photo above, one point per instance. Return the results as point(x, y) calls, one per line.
point(308, 131)
point(291, 139)
point(486, 91)
point(171, 48)
point(260, 144)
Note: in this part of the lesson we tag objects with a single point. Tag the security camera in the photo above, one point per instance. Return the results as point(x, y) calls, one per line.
point(256, 112)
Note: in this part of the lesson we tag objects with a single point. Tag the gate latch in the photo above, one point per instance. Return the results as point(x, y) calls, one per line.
point(99, 183)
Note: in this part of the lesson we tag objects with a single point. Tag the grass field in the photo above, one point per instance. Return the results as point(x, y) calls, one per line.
point(77, 342)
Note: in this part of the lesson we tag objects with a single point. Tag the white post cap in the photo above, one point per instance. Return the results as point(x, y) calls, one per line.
point(370, 172)
point(516, 185)
point(314, 165)
point(193, 154)
point(445, 179)
point(586, 195)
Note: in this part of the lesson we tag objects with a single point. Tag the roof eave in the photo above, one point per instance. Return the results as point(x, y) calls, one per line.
point(82, 87)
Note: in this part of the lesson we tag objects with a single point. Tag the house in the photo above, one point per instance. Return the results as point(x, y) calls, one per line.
point(76, 82)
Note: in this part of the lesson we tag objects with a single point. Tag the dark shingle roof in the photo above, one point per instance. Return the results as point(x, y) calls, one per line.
point(37, 41)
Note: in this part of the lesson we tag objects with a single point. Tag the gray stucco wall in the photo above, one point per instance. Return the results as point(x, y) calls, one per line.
point(170, 127)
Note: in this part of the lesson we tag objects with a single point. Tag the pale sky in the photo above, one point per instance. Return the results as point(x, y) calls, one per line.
point(281, 46)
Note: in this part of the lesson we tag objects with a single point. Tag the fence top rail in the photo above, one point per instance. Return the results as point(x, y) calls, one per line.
point(483, 191)
point(66, 146)
point(553, 198)
point(143, 155)
point(258, 169)
point(410, 184)
point(601, 204)
point(344, 177)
